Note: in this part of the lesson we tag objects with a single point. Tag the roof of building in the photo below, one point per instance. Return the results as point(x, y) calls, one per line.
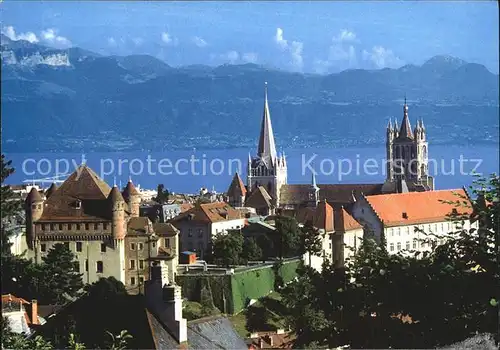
point(209, 213)
point(344, 221)
point(130, 190)
point(51, 190)
point(296, 194)
point(138, 225)
point(186, 207)
point(215, 332)
point(34, 196)
point(267, 147)
point(83, 185)
point(259, 198)
point(237, 188)
point(279, 341)
point(405, 131)
point(19, 320)
point(327, 218)
point(165, 229)
point(418, 207)
point(115, 195)
point(323, 218)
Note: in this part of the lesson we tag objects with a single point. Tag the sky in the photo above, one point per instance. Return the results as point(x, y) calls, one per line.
point(306, 36)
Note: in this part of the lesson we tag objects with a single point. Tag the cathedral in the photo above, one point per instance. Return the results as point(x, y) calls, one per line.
point(268, 191)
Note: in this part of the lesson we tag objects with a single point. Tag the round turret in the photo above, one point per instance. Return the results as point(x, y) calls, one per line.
point(34, 211)
point(132, 198)
point(117, 206)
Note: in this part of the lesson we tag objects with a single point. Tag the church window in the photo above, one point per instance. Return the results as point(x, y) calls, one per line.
point(100, 267)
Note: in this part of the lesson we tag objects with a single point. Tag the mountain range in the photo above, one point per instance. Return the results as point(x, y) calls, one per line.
point(74, 99)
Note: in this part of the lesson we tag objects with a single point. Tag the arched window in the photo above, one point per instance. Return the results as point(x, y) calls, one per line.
point(424, 152)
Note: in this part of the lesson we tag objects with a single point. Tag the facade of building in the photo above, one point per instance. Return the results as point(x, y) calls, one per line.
point(99, 224)
point(401, 217)
point(407, 155)
point(21, 315)
point(199, 225)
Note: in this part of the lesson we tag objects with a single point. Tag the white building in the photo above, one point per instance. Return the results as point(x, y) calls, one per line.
point(400, 217)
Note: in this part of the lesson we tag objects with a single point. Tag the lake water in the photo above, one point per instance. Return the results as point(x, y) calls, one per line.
point(188, 171)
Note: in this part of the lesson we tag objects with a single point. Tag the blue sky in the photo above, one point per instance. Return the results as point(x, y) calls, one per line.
point(317, 36)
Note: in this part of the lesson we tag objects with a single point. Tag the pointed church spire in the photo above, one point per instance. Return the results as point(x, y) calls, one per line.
point(405, 130)
point(267, 147)
point(389, 125)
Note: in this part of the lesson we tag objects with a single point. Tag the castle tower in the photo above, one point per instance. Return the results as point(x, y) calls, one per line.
point(117, 207)
point(408, 151)
point(132, 197)
point(313, 199)
point(267, 169)
point(236, 192)
point(50, 190)
point(34, 210)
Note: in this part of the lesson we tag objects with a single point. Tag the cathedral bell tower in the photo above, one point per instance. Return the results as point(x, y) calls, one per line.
point(267, 169)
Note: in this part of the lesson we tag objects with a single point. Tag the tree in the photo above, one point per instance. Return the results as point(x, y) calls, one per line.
point(161, 194)
point(119, 342)
point(287, 236)
point(310, 241)
point(227, 248)
point(10, 205)
point(11, 340)
point(251, 250)
point(61, 273)
point(106, 289)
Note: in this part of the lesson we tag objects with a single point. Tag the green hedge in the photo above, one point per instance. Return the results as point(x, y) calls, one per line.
point(237, 289)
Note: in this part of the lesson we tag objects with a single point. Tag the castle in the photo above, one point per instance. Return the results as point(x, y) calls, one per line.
point(101, 226)
point(268, 191)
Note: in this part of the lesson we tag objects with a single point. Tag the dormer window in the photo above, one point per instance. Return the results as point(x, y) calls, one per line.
point(78, 204)
point(405, 215)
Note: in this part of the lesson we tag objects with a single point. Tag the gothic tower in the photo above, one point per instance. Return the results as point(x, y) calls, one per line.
point(267, 169)
point(406, 152)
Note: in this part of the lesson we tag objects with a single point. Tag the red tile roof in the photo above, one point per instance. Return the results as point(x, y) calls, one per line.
point(418, 207)
point(345, 222)
point(323, 218)
point(209, 213)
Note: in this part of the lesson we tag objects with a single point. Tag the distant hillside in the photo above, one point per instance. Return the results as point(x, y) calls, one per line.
point(140, 102)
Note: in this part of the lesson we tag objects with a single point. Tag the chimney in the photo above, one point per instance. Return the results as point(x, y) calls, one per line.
point(34, 312)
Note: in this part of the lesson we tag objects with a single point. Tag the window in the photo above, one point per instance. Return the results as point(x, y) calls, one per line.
point(87, 227)
point(70, 227)
point(78, 204)
point(78, 227)
point(140, 246)
point(52, 227)
point(330, 245)
point(132, 246)
point(100, 267)
point(43, 247)
point(33, 206)
point(132, 264)
point(190, 232)
point(78, 246)
point(154, 244)
point(407, 245)
point(103, 247)
point(435, 227)
point(200, 232)
point(442, 226)
point(407, 230)
point(86, 265)
point(399, 246)
point(66, 244)
point(399, 231)
point(414, 244)
point(43, 227)
point(60, 226)
point(141, 280)
point(167, 242)
point(392, 247)
point(96, 226)
point(141, 264)
point(104, 226)
point(391, 231)
point(132, 281)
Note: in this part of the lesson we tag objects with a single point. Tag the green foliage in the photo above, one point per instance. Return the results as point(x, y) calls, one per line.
point(10, 205)
point(60, 273)
point(251, 250)
point(106, 289)
point(74, 344)
point(118, 342)
point(287, 240)
point(227, 248)
point(12, 340)
point(310, 241)
point(443, 297)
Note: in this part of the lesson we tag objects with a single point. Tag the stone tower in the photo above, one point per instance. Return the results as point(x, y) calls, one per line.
point(34, 211)
point(407, 155)
point(117, 207)
point(267, 169)
point(133, 198)
point(313, 199)
point(237, 192)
